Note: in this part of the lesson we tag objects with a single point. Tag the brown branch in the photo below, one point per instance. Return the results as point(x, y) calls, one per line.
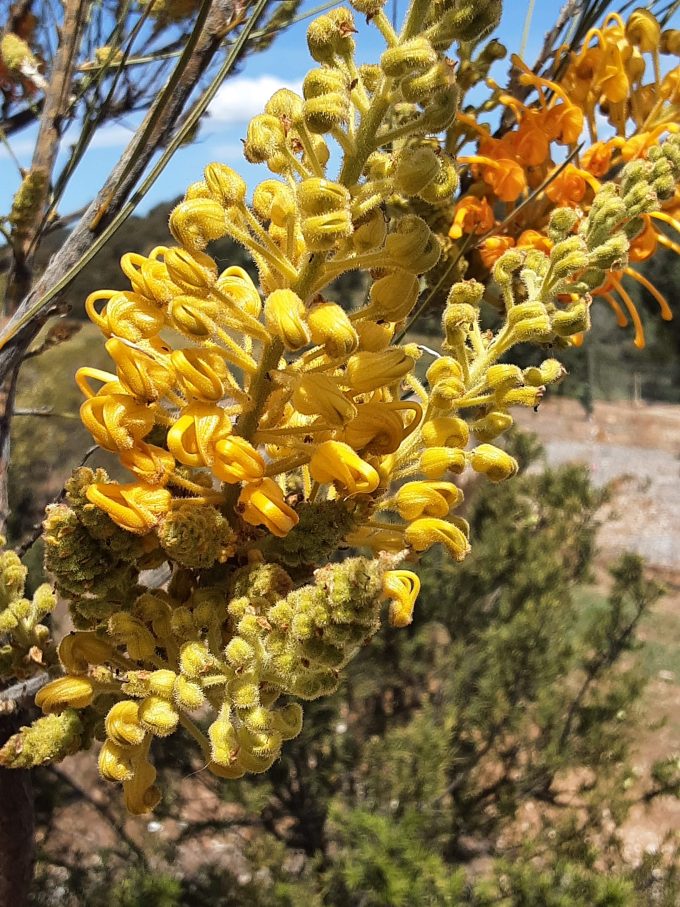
point(46, 149)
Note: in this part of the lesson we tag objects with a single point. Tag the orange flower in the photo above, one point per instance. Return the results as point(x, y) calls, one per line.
point(493, 247)
point(505, 176)
point(598, 158)
point(532, 239)
point(569, 187)
point(473, 215)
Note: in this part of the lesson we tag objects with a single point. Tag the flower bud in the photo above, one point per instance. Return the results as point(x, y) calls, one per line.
point(135, 506)
point(122, 724)
point(393, 297)
point(643, 31)
point(152, 465)
point(494, 463)
point(128, 315)
point(418, 499)
point(436, 461)
point(330, 327)
point(65, 692)
point(402, 588)
point(492, 425)
point(288, 720)
point(237, 285)
point(284, 104)
point(236, 460)
point(116, 421)
point(264, 139)
point(158, 716)
point(140, 374)
point(188, 694)
point(162, 682)
point(284, 314)
point(274, 201)
point(201, 373)
point(368, 371)
point(370, 234)
point(193, 272)
point(225, 185)
point(115, 762)
point(195, 432)
point(239, 653)
point(414, 55)
point(374, 338)
point(573, 320)
point(378, 428)
point(417, 167)
point(412, 245)
point(445, 432)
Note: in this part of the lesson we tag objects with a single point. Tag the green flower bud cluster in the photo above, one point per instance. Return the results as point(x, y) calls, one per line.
point(322, 527)
point(49, 739)
point(230, 650)
point(28, 202)
point(465, 21)
point(25, 642)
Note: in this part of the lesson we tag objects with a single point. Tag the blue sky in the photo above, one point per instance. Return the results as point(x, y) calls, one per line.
point(244, 95)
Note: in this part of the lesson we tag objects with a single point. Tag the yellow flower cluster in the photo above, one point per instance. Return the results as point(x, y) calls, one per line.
point(266, 426)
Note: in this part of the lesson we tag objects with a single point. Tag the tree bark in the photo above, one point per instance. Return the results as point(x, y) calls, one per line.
point(17, 844)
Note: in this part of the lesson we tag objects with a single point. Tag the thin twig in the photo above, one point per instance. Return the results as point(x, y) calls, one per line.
point(20, 693)
point(47, 146)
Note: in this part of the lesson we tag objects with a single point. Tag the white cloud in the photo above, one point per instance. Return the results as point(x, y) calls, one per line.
point(114, 135)
point(241, 98)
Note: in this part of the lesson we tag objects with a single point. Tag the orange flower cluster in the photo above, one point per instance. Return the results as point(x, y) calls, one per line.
point(538, 163)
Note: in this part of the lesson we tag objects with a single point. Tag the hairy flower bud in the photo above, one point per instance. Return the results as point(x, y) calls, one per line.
point(494, 463)
point(197, 222)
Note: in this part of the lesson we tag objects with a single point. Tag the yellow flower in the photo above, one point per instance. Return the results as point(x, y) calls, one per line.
point(236, 460)
point(153, 465)
point(418, 499)
point(402, 587)
point(136, 507)
point(436, 461)
point(116, 421)
point(335, 461)
point(317, 394)
point(447, 431)
point(331, 328)
point(369, 371)
point(263, 504)
point(424, 533)
point(193, 436)
point(144, 377)
point(201, 373)
point(378, 428)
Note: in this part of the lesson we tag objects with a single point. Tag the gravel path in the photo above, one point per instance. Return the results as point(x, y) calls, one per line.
point(638, 450)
